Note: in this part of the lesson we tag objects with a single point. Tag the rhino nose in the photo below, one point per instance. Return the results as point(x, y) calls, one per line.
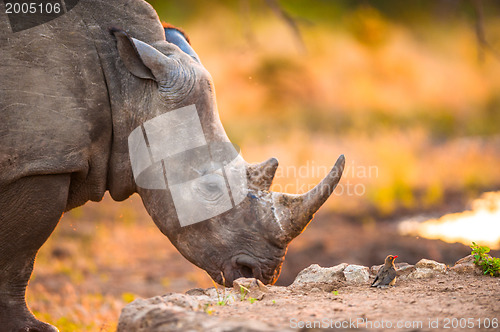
point(246, 266)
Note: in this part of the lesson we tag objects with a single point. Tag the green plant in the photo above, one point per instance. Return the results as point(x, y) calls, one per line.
point(222, 297)
point(490, 265)
point(222, 300)
point(335, 292)
point(243, 292)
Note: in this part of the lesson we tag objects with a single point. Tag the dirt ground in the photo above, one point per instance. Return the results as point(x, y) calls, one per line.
point(107, 254)
point(446, 302)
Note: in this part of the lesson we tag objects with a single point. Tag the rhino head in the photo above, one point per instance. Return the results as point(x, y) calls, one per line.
point(214, 207)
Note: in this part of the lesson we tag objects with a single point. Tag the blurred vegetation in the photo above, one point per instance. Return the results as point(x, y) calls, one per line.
point(403, 86)
point(403, 89)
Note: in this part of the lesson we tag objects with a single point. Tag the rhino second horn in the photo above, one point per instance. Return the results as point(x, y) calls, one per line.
point(294, 212)
point(261, 175)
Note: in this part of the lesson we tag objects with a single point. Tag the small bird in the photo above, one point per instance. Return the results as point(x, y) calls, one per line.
point(386, 276)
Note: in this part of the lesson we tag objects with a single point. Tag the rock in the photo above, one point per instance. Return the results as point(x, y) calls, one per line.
point(374, 269)
point(250, 288)
point(430, 264)
point(465, 260)
point(143, 315)
point(196, 292)
point(160, 314)
point(317, 274)
point(356, 274)
point(402, 265)
point(404, 271)
point(180, 300)
point(211, 295)
point(216, 293)
point(426, 268)
point(250, 284)
point(466, 266)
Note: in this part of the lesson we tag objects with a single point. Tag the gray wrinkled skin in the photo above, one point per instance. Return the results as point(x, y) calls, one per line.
point(70, 94)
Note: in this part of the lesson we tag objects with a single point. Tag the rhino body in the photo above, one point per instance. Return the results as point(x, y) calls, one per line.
point(71, 92)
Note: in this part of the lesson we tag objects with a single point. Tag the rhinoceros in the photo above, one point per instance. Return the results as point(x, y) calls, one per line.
point(72, 92)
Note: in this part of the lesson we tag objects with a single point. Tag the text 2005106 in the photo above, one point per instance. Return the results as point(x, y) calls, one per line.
point(32, 8)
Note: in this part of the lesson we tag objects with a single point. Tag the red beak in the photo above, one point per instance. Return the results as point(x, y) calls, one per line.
point(395, 257)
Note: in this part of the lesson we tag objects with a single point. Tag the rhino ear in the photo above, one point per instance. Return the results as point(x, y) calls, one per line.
point(141, 59)
point(176, 36)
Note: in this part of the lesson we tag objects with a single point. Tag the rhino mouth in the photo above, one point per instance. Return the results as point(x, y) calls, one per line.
point(241, 266)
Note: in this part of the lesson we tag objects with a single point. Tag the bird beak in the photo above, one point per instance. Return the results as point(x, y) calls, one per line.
point(394, 257)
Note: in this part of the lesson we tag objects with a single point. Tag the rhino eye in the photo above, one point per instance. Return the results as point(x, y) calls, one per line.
point(211, 187)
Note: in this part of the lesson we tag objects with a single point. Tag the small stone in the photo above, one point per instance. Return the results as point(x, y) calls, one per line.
point(250, 288)
point(466, 266)
point(196, 292)
point(356, 274)
point(404, 271)
point(317, 274)
point(374, 269)
point(250, 284)
point(426, 268)
point(465, 260)
point(430, 264)
point(422, 273)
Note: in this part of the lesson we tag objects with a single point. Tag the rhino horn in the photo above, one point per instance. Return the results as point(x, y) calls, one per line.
point(262, 174)
point(294, 212)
